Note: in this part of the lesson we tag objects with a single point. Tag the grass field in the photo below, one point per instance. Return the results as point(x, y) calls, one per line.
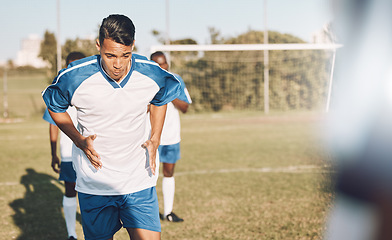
point(243, 175)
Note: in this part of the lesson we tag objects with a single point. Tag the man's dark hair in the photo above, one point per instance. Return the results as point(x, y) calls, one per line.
point(119, 28)
point(72, 56)
point(156, 54)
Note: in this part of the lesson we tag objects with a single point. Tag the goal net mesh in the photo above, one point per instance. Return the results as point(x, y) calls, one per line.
point(234, 80)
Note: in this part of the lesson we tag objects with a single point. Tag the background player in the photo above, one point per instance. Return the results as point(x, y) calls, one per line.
point(65, 168)
point(169, 150)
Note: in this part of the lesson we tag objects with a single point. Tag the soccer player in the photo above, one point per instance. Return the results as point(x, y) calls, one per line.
point(114, 156)
point(169, 150)
point(67, 173)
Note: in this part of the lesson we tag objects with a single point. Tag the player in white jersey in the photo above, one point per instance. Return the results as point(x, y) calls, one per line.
point(65, 168)
point(114, 157)
point(169, 150)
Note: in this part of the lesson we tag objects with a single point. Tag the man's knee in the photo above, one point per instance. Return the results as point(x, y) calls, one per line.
point(70, 189)
point(168, 169)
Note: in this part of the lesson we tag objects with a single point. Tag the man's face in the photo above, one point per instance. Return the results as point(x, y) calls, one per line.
point(161, 60)
point(116, 58)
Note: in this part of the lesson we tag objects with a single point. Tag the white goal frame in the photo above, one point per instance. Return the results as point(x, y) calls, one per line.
point(256, 47)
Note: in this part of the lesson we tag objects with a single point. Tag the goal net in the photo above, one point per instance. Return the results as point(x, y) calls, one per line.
point(232, 77)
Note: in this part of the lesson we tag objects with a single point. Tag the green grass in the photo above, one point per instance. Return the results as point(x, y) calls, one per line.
point(223, 188)
point(24, 95)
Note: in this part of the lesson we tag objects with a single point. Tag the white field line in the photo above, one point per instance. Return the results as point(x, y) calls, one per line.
point(289, 169)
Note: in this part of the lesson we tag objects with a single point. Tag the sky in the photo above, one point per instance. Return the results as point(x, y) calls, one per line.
point(187, 19)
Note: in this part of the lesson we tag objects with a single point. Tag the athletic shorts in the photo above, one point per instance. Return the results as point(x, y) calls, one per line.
point(67, 172)
point(169, 153)
point(103, 216)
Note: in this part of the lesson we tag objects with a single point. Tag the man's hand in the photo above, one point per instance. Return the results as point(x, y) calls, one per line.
point(86, 145)
point(64, 122)
point(152, 151)
point(55, 163)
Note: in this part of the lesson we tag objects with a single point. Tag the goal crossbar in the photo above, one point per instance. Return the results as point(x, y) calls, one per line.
point(244, 47)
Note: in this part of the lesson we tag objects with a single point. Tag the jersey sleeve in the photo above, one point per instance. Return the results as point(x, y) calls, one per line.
point(170, 88)
point(56, 96)
point(55, 99)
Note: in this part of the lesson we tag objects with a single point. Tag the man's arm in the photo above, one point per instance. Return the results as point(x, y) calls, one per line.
point(180, 105)
point(64, 122)
point(53, 135)
point(157, 118)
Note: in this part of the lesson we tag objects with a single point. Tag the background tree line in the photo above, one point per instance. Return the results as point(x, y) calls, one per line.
point(48, 50)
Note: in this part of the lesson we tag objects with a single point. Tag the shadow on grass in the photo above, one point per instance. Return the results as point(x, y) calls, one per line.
point(39, 214)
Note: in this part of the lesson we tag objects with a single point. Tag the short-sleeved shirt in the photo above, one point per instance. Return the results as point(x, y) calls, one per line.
point(171, 132)
point(116, 112)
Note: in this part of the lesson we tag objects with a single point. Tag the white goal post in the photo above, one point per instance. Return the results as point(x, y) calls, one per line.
point(255, 47)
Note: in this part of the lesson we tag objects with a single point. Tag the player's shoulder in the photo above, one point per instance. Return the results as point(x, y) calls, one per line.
point(84, 61)
point(149, 68)
point(80, 69)
point(139, 57)
point(152, 71)
point(144, 64)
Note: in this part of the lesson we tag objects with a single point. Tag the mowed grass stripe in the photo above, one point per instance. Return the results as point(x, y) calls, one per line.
point(291, 169)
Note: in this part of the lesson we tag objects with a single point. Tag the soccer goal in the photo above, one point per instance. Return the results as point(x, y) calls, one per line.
point(232, 76)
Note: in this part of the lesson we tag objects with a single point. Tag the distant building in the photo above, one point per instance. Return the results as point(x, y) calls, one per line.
point(28, 54)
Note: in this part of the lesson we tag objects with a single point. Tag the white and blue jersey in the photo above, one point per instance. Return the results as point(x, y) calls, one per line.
point(171, 132)
point(116, 112)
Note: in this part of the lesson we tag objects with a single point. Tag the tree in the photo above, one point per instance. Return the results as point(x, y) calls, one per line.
point(85, 46)
point(48, 52)
point(10, 64)
point(177, 58)
point(215, 36)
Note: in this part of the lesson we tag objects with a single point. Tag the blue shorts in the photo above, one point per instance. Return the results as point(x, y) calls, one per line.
point(103, 216)
point(169, 153)
point(67, 172)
